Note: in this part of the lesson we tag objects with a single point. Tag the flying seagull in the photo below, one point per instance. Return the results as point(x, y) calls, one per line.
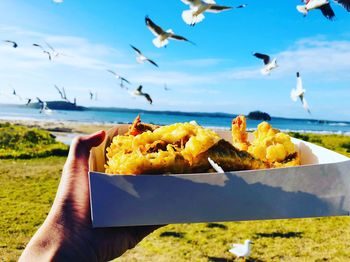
point(162, 36)
point(14, 44)
point(198, 7)
point(241, 250)
point(268, 64)
point(15, 94)
point(29, 100)
point(138, 92)
point(62, 93)
point(53, 52)
point(323, 5)
point(122, 79)
point(44, 51)
point(44, 108)
point(299, 92)
point(140, 58)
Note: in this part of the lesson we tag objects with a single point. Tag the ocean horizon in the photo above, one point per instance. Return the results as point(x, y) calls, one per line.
point(218, 120)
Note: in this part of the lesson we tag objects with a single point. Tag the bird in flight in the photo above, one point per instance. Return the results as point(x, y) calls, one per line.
point(241, 250)
point(299, 92)
point(53, 52)
point(122, 79)
point(138, 92)
point(323, 5)
point(62, 93)
point(15, 94)
point(269, 64)
point(44, 51)
point(13, 43)
point(29, 100)
point(44, 108)
point(198, 7)
point(141, 58)
point(162, 36)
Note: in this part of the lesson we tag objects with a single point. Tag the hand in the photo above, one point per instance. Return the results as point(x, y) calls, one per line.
point(67, 232)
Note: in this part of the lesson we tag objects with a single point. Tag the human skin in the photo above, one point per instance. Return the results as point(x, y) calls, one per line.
point(67, 232)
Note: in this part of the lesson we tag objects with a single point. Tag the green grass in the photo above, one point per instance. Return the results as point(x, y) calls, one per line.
point(28, 187)
point(22, 142)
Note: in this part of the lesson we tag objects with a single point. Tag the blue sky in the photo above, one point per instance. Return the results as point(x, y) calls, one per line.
point(219, 74)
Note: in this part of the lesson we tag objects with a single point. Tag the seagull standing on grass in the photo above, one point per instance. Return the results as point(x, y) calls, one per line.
point(122, 79)
point(299, 92)
point(268, 64)
point(323, 5)
point(13, 43)
point(198, 7)
point(138, 92)
point(241, 250)
point(162, 36)
point(141, 58)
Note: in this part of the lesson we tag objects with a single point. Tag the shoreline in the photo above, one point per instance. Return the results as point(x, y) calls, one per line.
point(65, 131)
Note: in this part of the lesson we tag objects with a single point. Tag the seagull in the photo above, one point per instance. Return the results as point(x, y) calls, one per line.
point(269, 65)
point(140, 58)
point(29, 100)
point(53, 51)
point(138, 92)
point(62, 93)
point(162, 36)
point(166, 88)
point(323, 5)
point(14, 44)
point(299, 92)
point(241, 250)
point(198, 7)
point(44, 51)
point(122, 79)
point(44, 108)
point(15, 94)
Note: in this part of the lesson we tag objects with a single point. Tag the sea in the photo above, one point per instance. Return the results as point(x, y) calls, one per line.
point(212, 120)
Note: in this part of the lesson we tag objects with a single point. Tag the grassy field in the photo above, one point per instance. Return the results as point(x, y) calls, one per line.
point(28, 187)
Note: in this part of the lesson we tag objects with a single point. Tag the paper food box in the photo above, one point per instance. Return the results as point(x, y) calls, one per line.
point(319, 187)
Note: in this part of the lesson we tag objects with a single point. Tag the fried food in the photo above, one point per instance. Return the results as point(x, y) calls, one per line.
point(177, 148)
point(270, 145)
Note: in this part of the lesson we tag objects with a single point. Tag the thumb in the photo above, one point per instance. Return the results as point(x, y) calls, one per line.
point(81, 145)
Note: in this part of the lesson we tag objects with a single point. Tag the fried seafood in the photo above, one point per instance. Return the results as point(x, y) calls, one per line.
point(177, 148)
point(270, 145)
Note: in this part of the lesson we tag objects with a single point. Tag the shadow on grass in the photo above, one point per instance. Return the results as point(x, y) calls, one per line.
point(221, 259)
point(280, 234)
point(172, 234)
point(216, 225)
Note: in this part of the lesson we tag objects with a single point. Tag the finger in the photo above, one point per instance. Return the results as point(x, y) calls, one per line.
point(81, 146)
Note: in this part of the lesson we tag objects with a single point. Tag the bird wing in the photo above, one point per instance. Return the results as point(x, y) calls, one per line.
point(155, 29)
point(48, 53)
point(136, 50)
point(148, 97)
point(39, 100)
point(50, 46)
point(344, 3)
point(59, 91)
point(180, 38)
point(37, 45)
point(218, 8)
point(124, 79)
point(294, 95)
point(327, 11)
point(191, 3)
point(299, 87)
point(14, 44)
point(152, 62)
point(264, 57)
point(305, 104)
point(112, 72)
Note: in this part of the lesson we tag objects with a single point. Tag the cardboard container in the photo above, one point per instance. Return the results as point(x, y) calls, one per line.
point(320, 187)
